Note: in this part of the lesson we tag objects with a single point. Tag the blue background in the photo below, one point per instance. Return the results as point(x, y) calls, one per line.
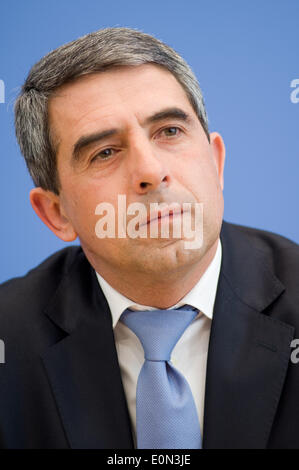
point(245, 55)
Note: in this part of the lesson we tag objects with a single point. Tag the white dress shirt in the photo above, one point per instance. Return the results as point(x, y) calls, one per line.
point(189, 355)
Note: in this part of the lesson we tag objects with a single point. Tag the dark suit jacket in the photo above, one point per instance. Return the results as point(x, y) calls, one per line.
point(61, 386)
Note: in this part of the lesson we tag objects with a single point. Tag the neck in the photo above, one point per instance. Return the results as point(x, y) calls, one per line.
point(160, 292)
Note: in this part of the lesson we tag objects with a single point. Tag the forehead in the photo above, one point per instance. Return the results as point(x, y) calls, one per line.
point(114, 97)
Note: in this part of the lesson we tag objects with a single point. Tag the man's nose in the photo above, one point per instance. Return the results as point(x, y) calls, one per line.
point(148, 169)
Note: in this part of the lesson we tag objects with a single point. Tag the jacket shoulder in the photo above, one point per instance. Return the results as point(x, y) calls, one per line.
point(30, 292)
point(280, 253)
point(262, 238)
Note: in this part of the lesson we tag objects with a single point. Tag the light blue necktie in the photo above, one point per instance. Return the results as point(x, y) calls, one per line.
point(166, 416)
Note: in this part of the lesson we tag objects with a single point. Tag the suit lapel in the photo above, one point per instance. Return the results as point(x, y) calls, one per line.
point(83, 368)
point(248, 351)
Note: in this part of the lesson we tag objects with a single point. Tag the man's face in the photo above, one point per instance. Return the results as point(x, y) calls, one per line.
point(150, 147)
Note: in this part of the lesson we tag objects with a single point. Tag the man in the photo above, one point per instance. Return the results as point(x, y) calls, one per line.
point(118, 113)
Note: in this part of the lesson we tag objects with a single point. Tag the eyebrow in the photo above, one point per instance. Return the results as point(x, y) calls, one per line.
point(96, 137)
point(169, 113)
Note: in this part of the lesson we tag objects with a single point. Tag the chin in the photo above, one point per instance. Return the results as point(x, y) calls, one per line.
point(166, 258)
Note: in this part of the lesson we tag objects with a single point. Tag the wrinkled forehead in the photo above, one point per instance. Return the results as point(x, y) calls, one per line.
point(113, 98)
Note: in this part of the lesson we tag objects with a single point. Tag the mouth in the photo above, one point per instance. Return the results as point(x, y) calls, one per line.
point(157, 215)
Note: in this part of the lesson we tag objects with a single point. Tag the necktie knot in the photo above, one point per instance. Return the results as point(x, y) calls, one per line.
point(158, 330)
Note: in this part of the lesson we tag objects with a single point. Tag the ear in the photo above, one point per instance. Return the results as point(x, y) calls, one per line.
point(218, 153)
point(47, 206)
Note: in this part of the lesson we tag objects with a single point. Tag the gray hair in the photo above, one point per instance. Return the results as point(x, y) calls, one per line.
point(94, 52)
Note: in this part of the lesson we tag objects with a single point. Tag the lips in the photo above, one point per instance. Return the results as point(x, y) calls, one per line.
point(156, 215)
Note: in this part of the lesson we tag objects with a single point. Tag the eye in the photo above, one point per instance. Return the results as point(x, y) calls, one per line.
point(104, 154)
point(171, 131)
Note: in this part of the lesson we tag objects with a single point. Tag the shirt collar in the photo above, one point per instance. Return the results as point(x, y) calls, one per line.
point(201, 296)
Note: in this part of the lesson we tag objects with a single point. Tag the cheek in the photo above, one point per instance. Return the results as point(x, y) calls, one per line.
point(83, 205)
point(79, 204)
point(196, 169)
